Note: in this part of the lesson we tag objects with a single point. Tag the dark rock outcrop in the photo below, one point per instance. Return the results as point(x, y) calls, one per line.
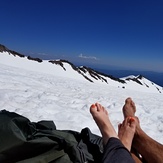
point(4, 49)
point(57, 62)
point(135, 79)
point(35, 59)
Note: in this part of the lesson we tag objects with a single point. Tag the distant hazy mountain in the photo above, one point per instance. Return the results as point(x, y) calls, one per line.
point(67, 69)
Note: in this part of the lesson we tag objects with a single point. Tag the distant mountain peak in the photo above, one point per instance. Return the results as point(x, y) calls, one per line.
point(140, 77)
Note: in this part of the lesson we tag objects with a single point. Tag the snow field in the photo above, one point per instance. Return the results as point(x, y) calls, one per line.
point(40, 96)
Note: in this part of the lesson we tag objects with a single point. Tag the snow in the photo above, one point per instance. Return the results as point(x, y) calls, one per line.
point(44, 67)
point(39, 92)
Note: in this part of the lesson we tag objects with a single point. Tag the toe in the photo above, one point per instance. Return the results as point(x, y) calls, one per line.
point(128, 100)
point(99, 107)
point(93, 109)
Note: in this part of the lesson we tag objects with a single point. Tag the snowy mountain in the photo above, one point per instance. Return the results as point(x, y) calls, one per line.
point(59, 91)
point(66, 69)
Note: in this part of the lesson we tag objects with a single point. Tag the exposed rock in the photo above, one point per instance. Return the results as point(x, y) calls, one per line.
point(16, 54)
point(4, 49)
point(35, 59)
point(57, 62)
point(92, 73)
point(135, 80)
point(140, 77)
point(98, 75)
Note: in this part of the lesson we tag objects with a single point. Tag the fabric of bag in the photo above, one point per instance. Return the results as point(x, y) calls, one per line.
point(23, 141)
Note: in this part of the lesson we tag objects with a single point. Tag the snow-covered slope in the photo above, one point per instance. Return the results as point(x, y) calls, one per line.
point(45, 91)
point(64, 68)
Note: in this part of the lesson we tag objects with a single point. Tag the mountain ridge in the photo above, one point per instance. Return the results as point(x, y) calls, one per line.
point(68, 69)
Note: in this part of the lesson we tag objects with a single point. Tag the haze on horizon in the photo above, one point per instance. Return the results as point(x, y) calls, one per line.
point(126, 34)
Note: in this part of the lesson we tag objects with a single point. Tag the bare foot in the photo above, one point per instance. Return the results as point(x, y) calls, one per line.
point(100, 115)
point(129, 108)
point(126, 132)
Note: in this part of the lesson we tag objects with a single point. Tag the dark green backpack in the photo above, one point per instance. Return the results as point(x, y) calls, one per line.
point(23, 141)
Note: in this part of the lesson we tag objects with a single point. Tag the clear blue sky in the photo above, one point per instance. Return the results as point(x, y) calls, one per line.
point(122, 33)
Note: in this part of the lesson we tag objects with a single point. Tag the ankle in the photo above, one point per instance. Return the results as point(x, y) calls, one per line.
point(137, 140)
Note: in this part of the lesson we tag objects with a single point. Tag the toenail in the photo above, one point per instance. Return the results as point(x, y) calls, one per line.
point(93, 106)
point(132, 119)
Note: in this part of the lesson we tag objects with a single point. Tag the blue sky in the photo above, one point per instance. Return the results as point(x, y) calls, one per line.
point(104, 33)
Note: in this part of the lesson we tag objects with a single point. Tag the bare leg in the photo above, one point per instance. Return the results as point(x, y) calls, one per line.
point(150, 150)
point(114, 150)
point(100, 115)
point(126, 132)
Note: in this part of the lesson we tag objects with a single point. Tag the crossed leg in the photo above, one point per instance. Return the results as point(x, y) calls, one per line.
point(151, 150)
point(126, 132)
point(115, 151)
